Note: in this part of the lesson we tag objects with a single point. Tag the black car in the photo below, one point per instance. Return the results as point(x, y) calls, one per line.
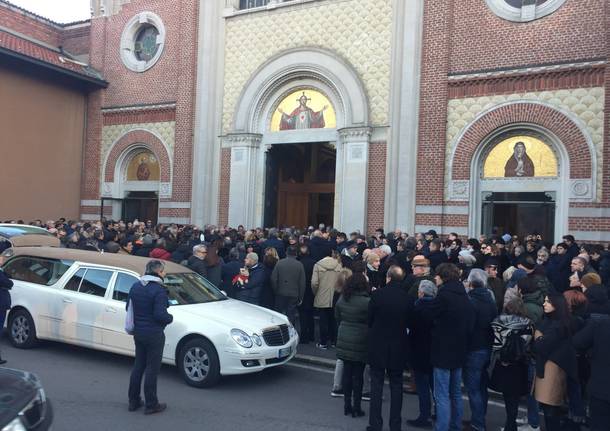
point(23, 403)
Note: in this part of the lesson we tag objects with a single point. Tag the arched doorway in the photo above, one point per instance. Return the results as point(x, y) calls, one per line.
point(300, 185)
point(520, 184)
point(140, 171)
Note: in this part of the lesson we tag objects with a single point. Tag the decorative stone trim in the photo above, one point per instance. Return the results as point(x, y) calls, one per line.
point(528, 70)
point(107, 190)
point(232, 6)
point(581, 190)
point(251, 140)
point(459, 190)
point(165, 190)
point(175, 205)
point(528, 12)
point(129, 34)
point(355, 134)
point(138, 108)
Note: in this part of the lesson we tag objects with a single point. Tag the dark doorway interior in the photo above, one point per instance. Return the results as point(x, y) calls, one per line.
point(519, 214)
point(300, 186)
point(142, 206)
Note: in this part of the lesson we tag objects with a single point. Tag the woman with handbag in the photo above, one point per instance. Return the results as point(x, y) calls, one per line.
point(509, 359)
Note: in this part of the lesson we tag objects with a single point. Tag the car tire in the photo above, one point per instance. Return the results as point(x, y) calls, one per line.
point(22, 330)
point(198, 363)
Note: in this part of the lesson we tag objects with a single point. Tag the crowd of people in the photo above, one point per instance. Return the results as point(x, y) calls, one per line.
point(519, 316)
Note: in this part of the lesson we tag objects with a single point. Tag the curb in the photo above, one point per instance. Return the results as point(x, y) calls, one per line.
point(315, 360)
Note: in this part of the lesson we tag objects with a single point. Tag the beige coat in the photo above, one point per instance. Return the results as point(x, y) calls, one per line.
point(324, 281)
point(552, 388)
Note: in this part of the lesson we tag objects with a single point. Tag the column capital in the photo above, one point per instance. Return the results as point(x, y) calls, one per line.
point(355, 134)
point(251, 140)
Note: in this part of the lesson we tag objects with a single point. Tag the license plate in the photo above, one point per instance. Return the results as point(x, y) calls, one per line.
point(284, 352)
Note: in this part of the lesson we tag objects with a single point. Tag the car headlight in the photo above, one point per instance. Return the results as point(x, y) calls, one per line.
point(241, 338)
point(257, 340)
point(15, 425)
point(291, 331)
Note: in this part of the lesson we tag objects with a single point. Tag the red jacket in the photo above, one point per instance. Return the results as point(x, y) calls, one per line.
point(160, 253)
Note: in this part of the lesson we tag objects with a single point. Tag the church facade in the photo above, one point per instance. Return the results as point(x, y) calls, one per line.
point(470, 116)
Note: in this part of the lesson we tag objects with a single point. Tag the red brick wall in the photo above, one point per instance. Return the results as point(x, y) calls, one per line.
point(482, 40)
point(376, 185)
point(224, 186)
point(433, 102)
point(171, 79)
point(36, 28)
point(76, 40)
point(442, 220)
point(589, 224)
point(606, 164)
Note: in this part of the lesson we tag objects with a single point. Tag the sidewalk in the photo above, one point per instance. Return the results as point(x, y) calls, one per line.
point(310, 354)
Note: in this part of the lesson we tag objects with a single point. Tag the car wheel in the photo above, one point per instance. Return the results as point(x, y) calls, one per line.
point(198, 363)
point(21, 330)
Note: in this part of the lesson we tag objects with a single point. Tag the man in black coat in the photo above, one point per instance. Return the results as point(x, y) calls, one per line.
point(594, 337)
point(307, 331)
point(452, 314)
point(319, 247)
point(5, 297)
point(150, 301)
point(389, 311)
point(274, 242)
point(436, 256)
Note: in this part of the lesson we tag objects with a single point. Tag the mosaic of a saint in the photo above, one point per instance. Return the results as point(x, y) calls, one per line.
point(303, 117)
point(143, 172)
point(519, 164)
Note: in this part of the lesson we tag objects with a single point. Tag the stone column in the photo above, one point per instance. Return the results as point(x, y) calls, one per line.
point(242, 195)
point(352, 174)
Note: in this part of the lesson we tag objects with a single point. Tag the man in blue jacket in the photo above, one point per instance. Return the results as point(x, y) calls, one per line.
point(5, 297)
point(150, 301)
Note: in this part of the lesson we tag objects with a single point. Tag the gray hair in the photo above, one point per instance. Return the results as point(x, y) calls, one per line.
point(428, 288)
point(199, 247)
point(154, 267)
point(252, 256)
point(477, 278)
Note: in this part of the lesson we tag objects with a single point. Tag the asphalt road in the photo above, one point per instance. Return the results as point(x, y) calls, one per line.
point(89, 392)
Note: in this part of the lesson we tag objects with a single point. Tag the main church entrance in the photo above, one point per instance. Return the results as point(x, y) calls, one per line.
point(300, 185)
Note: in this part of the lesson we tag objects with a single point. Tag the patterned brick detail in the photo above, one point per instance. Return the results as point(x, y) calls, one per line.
point(174, 212)
point(441, 220)
point(76, 40)
point(590, 224)
point(138, 137)
point(139, 117)
point(567, 132)
point(90, 177)
point(437, 29)
point(518, 83)
point(482, 40)
point(376, 185)
point(224, 186)
point(606, 164)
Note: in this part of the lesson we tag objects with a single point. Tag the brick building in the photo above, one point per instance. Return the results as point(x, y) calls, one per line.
point(461, 116)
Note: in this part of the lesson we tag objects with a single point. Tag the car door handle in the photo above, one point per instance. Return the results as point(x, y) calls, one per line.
point(111, 310)
point(67, 301)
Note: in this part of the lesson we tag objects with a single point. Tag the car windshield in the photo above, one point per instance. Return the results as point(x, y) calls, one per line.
point(191, 288)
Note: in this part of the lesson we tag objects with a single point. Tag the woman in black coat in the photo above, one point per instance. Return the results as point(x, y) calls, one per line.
point(555, 359)
point(5, 297)
point(513, 332)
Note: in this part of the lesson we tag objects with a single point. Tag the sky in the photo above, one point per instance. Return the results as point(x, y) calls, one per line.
point(61, 11)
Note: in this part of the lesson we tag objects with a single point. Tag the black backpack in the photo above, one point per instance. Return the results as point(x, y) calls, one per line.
point(514, 349)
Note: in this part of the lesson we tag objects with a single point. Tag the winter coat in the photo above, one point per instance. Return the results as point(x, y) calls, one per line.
point(598, 304)
point(251, 291)
point(150, 301)
point(352, 318)
point(555, 345)
point(452, 313)
point(324, 281)
point(308, 264)
point(533, 305)
point(388, 316)
point(595, 337)
point(5, 297)
point(411, 284)
point(497, 286)
point(485, 311)
point(348, 261)
point(215, 273)
point(420, 339)
point(375, 277)
point(319, 248)
point(227, 272)
point(436, 258)
point(604, 268)
point(198, 265)
point(275, 243)
point(288, 278)
point(510, 377)
point(160, 253)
